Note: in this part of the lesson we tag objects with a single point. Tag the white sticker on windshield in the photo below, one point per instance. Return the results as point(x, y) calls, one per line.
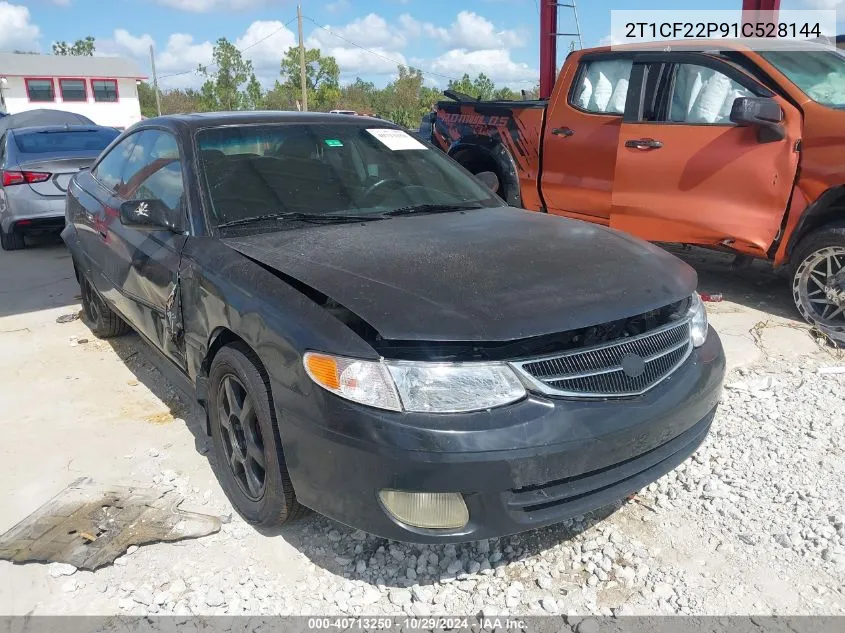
point(396, 139)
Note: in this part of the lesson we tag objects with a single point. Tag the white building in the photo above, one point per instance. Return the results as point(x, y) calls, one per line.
point(105, 89)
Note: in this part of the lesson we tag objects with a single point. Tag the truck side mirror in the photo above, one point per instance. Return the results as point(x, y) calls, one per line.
point(145, 214)
point(761, 112)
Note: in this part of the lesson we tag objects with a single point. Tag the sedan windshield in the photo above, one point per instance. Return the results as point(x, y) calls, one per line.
point(819, 74)
point(286, 172)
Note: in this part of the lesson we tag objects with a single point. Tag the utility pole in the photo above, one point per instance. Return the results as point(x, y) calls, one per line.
point(303, 83)
point(155, 79)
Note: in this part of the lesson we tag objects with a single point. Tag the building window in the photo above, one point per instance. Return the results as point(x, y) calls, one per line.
point(104, 89)
point(40, 90)
point(73, 89)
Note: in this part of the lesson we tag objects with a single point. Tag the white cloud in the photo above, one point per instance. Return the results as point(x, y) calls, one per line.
point(371, 31)
point(473, 32)
point(409, 25)
point(61, 3)
point(204, 6)
point(16, 30)
point(338, 7)
point(264, 43)
point(495, 63)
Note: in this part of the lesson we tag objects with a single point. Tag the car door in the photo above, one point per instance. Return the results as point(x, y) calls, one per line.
point(91, 200)
point(144, 261)
point(581, 134)
point(685, 172)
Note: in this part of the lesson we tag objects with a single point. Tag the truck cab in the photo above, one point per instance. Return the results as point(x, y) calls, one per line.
point(733, 149)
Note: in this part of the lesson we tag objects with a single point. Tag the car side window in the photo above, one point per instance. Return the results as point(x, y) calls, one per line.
point(2, 149)
point(702, 95)
point(601, 86)
point(109, 171)
point(155, 171)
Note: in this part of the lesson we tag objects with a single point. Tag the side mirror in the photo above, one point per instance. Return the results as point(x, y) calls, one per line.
point(762, 112)
point(148, 214)
point(489, 179)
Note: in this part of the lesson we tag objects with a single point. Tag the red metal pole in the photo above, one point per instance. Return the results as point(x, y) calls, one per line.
point(751, 9)
point(548, 46)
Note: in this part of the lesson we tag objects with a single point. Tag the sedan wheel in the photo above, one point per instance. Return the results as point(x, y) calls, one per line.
point(102, 320)
point(241, 435)
point(248, 456)
point(818, 288)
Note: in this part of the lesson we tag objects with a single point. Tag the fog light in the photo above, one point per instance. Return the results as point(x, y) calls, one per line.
point(435, 510)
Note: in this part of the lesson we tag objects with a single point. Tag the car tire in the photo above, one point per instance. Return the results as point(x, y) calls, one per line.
point(103, 321)
point(12, 241)
point(818, 280)
point(247, 447)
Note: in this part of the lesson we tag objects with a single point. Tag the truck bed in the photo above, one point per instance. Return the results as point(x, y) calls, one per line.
point(514, 125)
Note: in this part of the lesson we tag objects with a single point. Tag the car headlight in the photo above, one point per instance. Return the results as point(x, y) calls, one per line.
point(698, 320)
point(416, 386)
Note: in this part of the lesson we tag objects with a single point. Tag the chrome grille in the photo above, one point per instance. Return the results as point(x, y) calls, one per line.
point(597, 372)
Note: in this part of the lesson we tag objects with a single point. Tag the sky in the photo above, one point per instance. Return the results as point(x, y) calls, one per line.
point(444, 38)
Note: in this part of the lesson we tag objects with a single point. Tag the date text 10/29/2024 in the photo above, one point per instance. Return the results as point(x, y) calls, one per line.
point(422, 623)
point(705, 30)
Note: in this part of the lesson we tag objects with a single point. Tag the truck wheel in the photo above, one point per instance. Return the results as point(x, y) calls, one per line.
point(247, 448)
point(102, 320)
point(818, 280)
point(12, 241)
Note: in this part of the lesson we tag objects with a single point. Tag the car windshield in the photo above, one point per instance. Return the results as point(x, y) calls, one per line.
point(328, 169)
point(819, 74)
point(44, 142)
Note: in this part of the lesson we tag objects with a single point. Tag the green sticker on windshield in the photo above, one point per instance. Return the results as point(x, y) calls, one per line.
point(333, 142)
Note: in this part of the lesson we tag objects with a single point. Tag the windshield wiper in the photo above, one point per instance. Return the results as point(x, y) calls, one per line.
point(316, 218)
point(433, 208)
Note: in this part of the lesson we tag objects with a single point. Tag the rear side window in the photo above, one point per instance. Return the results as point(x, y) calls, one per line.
point(601, 86)
point(154, 171)
point(73, 141)
point(109, 171)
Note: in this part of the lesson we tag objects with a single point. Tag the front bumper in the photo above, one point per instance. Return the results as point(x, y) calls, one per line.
point(28, 211)
point(519, 467)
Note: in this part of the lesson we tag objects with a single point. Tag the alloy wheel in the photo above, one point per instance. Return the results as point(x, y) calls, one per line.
point(819, 288)
point(92, 302)
point(241, 435)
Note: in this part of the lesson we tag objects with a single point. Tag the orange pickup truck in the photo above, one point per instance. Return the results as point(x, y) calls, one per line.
point(732, 149)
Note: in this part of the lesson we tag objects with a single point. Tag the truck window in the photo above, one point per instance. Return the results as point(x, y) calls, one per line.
point(703, 96)
point(818, 74)
point(601, 86)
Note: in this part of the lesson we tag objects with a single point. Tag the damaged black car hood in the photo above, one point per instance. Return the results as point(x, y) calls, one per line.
point(497, 274)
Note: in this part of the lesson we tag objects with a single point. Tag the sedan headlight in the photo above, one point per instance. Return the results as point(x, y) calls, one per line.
point(416, 386)
point(698, 320)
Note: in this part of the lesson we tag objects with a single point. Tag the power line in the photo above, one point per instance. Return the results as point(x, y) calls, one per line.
point(372, 52)
point(256, 43)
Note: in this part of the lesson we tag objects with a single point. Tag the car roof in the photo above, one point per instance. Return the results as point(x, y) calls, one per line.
point(199, 120)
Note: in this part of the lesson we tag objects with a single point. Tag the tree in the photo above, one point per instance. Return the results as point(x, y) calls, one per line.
point(254, 94)
point(505, 94)
point(482, 87)
point(176, 101)
point(147, 98)
point(83, 48)
point(322, 77)
point(222, 89)
point(359, 96)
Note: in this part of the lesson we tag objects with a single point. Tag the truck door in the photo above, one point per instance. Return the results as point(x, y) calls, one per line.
point(581, 134)
point(685, 172)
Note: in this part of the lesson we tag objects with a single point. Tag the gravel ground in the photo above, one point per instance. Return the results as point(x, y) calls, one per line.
point(753, 523)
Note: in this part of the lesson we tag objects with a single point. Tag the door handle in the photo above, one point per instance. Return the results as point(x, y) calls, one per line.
point(644, 143)
point(563, 131)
